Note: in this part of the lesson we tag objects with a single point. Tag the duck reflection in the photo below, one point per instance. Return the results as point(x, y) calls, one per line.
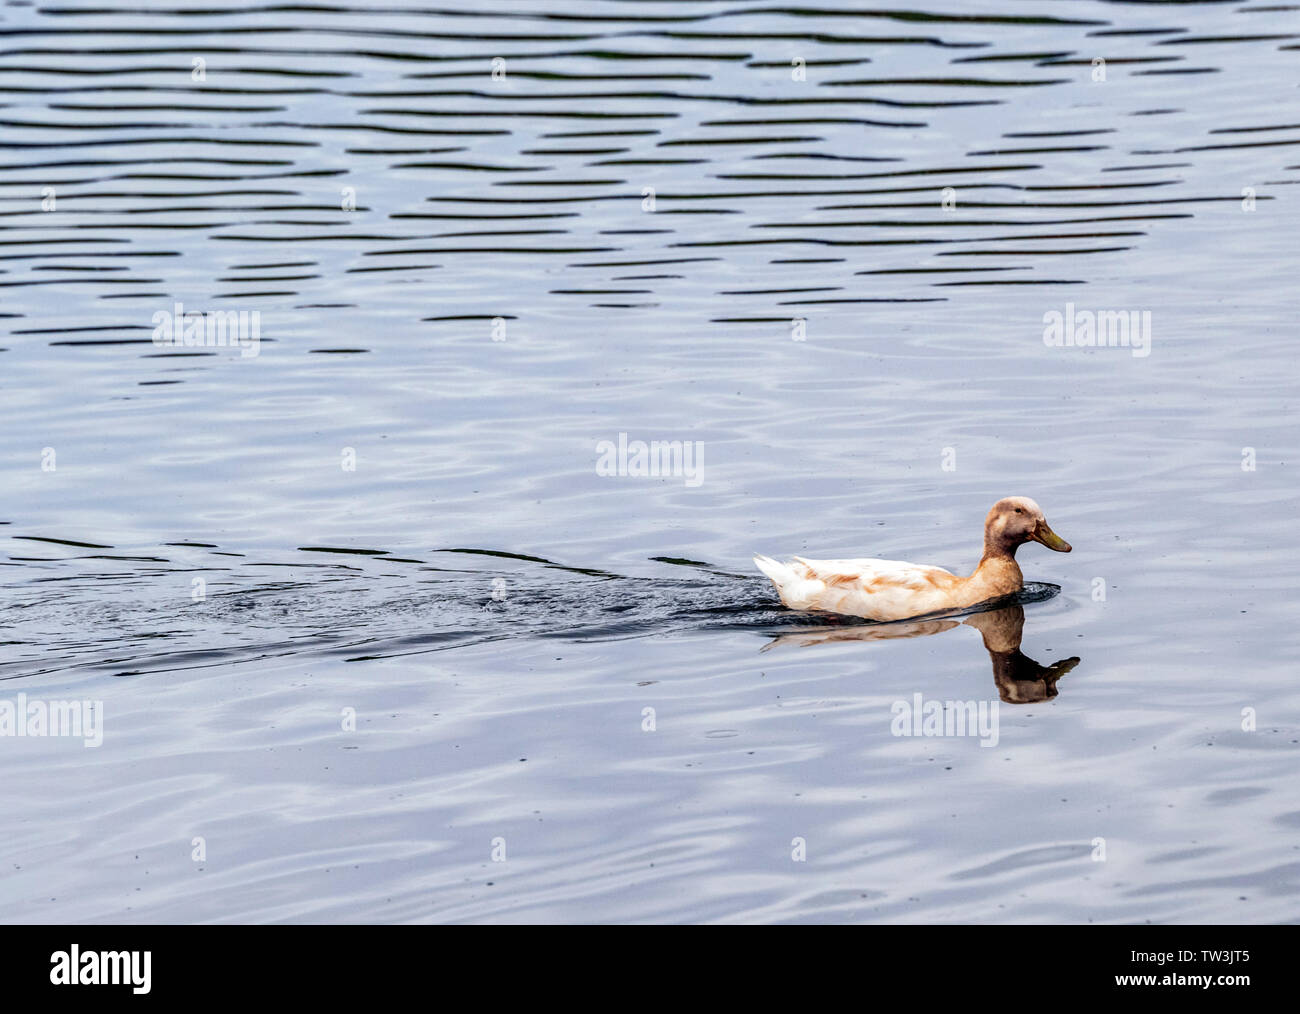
point(1019, 679)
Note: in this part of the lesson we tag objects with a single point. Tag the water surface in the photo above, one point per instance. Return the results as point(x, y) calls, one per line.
point(462, 291)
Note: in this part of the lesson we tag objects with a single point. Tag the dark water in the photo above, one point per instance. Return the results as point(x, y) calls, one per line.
point(395, 505)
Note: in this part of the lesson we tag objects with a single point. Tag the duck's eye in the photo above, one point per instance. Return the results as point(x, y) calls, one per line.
point(1019, 511)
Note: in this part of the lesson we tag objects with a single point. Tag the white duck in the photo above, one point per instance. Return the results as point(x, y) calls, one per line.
point(886, 590)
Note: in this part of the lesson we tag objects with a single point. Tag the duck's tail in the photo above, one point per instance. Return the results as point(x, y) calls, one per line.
point(780, 573)
point(796, 589)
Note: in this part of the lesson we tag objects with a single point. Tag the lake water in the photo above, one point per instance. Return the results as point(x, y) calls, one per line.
point(372, 637)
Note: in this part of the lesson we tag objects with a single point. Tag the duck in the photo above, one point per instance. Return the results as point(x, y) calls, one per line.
point(890, 590)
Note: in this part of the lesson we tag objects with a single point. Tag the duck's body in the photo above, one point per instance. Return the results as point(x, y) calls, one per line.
point(887, 590)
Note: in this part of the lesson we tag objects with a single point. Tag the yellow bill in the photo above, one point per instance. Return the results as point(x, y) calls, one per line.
point(1043, 533)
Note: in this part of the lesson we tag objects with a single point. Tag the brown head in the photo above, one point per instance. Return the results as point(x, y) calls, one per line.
point(1016, 520)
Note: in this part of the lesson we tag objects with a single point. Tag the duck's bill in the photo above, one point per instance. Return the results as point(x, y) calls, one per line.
point(1044, 534)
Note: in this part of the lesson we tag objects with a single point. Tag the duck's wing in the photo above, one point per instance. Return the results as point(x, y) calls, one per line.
point(866, 572)
point(876, 589)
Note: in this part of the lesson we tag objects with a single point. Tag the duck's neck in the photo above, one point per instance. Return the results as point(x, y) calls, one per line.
point(998, 573)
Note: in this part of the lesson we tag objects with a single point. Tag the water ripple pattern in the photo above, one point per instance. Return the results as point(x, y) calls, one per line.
point(822, 246)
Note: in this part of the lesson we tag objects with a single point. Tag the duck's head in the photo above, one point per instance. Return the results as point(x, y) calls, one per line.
point(1017, 520)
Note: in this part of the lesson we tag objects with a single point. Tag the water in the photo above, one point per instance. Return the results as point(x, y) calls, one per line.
point(496, 614)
